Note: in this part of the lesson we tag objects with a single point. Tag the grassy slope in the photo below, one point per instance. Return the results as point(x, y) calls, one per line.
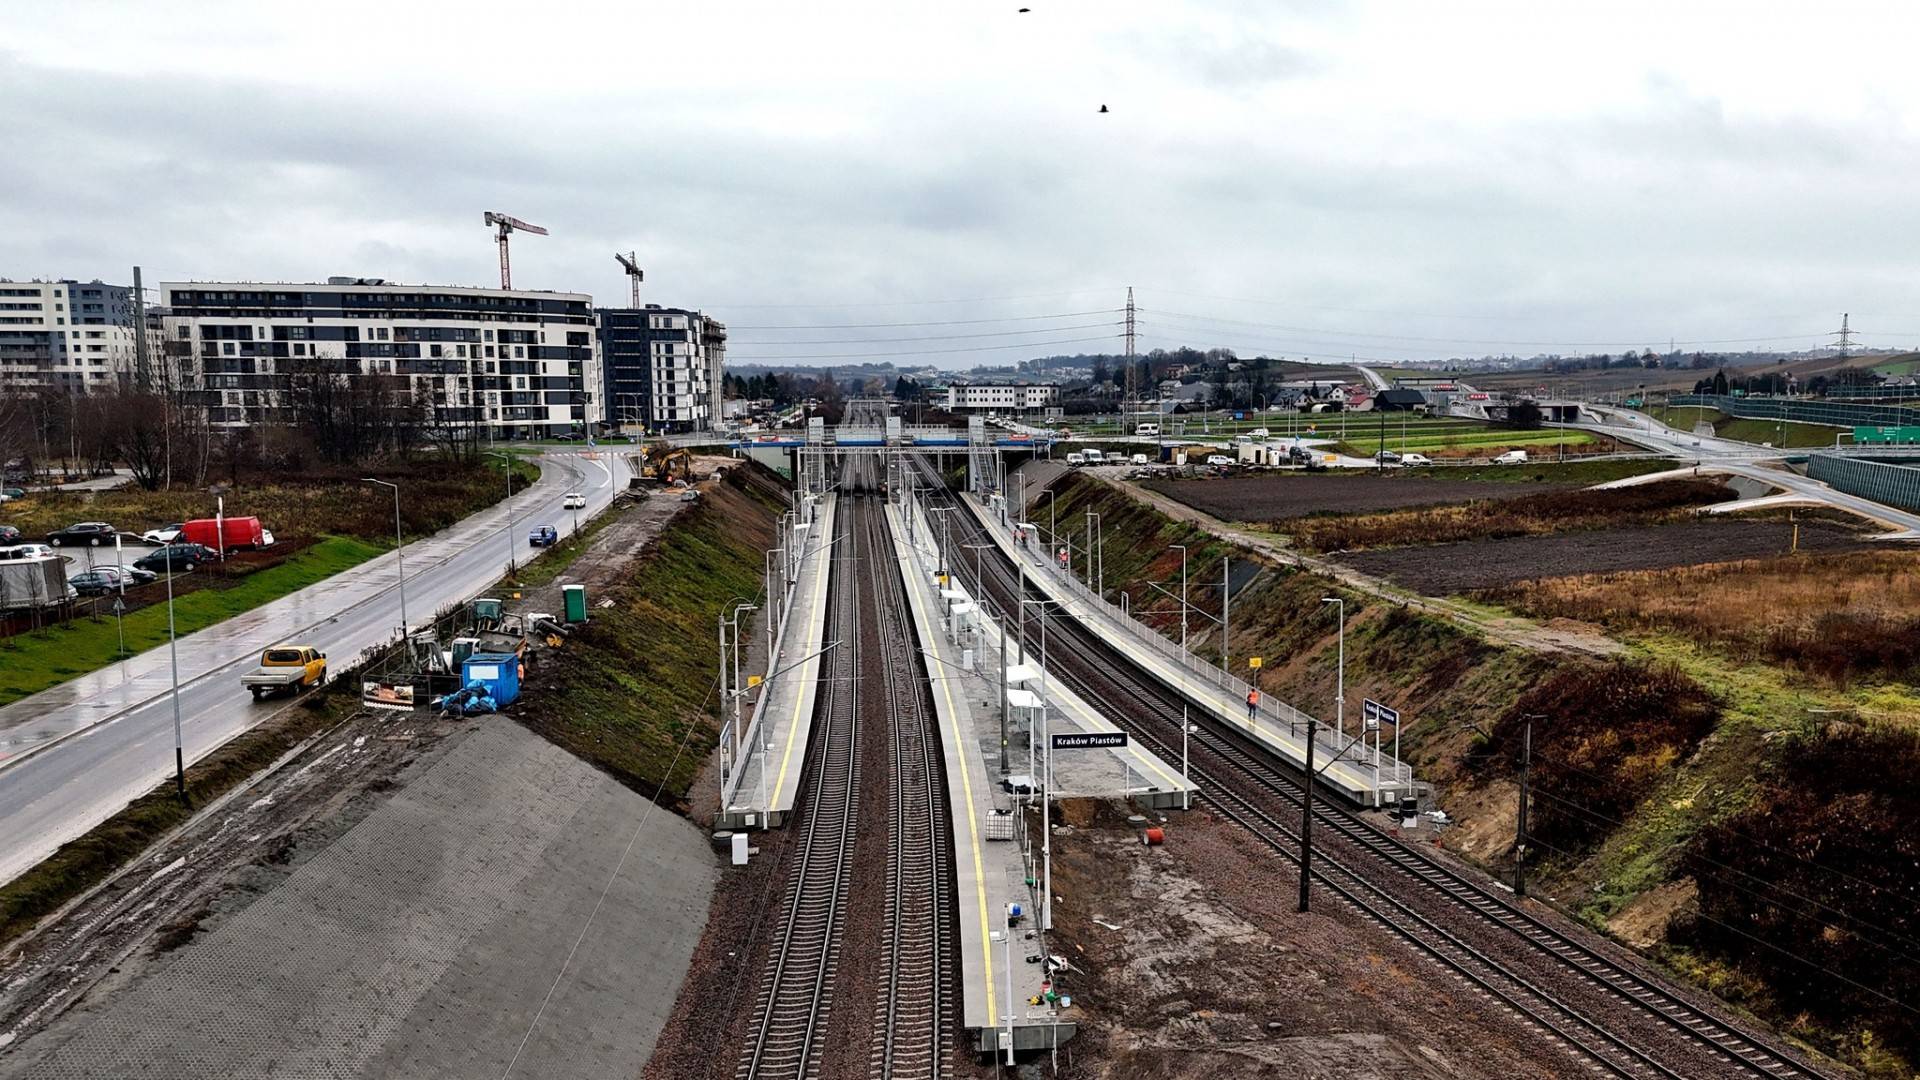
point(1753, 431)
point(639, 681)
point(32, 662)
point(1359, 444)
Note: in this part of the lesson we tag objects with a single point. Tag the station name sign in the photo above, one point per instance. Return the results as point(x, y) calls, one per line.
point(1090, 740)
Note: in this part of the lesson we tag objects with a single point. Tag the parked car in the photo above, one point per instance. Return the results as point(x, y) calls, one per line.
point(234, 533)
point(14, 492)
point(1411, 460)
point(82, 534)
point(286, 668)
point(8, 534)
point(135, 575)
point(1219, 459)
point(176, 557)
point(1512, 457)
point(1076, 458)
point(573, 501)
point(162, 536)
point(1387, 457)
point(544, 536)
point(96, 582)
point(1138, 459)
point(25, 551)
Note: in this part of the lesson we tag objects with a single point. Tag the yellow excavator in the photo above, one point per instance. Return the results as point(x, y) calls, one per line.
point(666, 464)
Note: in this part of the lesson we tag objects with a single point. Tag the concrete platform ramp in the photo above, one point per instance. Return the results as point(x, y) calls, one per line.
point(505, 913)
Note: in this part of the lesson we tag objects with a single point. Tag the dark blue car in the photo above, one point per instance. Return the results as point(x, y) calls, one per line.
point(544, 536)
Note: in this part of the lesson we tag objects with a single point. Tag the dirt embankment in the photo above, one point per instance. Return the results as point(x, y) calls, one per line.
point(1279, 498)
point(1190, 960)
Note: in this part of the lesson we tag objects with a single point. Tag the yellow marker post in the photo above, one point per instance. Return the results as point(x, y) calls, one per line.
point(1253, 662)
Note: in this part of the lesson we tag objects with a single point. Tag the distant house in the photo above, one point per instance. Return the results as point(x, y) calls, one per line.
point(1400, 400)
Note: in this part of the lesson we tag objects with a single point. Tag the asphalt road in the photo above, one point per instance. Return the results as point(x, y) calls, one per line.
point(73, 755)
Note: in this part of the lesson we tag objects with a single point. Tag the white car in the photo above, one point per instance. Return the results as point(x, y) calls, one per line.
point(1219, 459)
point(162, 536)
point(574, 501)
point(1138, 459)
point(1410, 460)
point(1512, 457)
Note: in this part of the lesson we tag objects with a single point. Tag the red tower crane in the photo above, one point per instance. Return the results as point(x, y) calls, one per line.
point(632, 268)
point(505, 225)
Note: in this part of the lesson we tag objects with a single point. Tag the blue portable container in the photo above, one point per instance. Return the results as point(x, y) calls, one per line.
point(498, 672)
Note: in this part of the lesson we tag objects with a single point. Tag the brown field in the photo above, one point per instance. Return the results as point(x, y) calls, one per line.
point(1446, 569)
point(1537, 514)
point(1835, 616)
point(1278, 498)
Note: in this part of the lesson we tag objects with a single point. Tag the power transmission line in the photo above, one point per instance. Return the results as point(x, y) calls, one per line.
point(946, 322)
point(934, 337)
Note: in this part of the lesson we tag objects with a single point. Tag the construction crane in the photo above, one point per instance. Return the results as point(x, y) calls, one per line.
point(505, 225)
point(632, 268)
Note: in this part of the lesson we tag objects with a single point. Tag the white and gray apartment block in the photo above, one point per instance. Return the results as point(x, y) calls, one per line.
point(75, 336)
point(663, 368)
point(517, 363)
point(1001, 397)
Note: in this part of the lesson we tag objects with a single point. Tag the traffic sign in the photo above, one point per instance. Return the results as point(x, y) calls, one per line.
point(1375, 714)
point(1253, 662)
point(1089, 740)
point(119, 606)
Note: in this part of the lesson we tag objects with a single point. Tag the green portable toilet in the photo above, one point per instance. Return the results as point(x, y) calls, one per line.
point(576, 603)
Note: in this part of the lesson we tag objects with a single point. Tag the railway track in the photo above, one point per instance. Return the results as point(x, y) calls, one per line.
point(873, 676)
point(914, 1022)
point(1623, 1022)
point(797, 983)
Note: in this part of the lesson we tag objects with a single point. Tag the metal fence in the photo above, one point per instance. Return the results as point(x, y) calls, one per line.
point(1801, 410)
point(1331, 744)
point(1881, 481)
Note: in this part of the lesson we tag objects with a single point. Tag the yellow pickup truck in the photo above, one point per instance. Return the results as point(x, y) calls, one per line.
point(289, 668)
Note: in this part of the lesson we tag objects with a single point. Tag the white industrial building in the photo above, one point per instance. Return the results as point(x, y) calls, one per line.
point(1001, 397)
point(517, 363)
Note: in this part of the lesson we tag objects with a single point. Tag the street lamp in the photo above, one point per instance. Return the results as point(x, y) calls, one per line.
point(1340, 693)
point(399, 550)
point(1183, 593)
point(512, 522)
point(173, 658)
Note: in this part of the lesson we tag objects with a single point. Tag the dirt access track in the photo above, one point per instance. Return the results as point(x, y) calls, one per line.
point(1447, 569)
point(1277, 498)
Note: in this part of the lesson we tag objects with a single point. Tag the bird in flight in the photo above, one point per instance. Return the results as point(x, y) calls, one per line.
point(1103, 108)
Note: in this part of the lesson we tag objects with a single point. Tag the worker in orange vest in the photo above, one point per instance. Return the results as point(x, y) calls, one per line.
point(1253, 703)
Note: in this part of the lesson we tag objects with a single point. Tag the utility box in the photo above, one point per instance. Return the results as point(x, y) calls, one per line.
point(486, 608)
point(498, 672)
point(576, 596)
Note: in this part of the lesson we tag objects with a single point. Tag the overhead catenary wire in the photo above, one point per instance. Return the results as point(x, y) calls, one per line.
point(914, 352)
point(934, 337)
point(938, 322)
point(1465, 341)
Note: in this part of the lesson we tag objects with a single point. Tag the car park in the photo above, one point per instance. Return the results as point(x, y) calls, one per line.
point(163, 535)
point(82, 534)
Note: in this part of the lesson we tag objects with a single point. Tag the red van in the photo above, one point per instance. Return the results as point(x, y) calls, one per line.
point(229, 534)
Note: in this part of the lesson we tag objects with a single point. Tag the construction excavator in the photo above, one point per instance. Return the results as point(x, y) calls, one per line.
point(666, 464)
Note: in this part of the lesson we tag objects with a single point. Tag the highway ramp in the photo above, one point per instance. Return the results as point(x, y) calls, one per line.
point(74, 755)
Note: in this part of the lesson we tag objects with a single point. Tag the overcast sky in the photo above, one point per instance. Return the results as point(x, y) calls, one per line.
point(1312, 178)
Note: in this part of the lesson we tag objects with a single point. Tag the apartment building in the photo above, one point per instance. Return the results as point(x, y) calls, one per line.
point(517, 363)
point(1001, 397)
point(663, 368)
point(66, 336)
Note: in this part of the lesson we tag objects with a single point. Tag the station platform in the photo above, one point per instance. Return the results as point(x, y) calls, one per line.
point(991, 803)
point(761, 767)
point(1361, 772)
